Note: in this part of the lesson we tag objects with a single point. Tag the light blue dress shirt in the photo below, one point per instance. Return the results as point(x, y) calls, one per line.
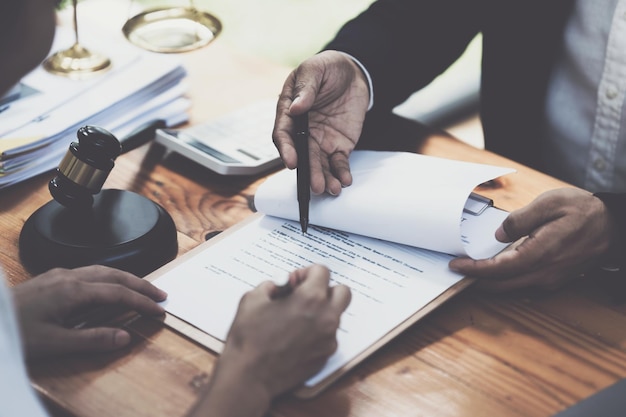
point(586, 138)
point(17, 398)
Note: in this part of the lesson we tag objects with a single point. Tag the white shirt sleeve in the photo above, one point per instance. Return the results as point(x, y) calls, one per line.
point(17, 397)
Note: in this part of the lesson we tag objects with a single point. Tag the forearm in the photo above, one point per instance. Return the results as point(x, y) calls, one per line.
point(405, 44)
point(232, 394)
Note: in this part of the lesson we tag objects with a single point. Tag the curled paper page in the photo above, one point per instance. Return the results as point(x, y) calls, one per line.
point(401, 197)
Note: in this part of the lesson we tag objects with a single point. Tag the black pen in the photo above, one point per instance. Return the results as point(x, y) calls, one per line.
point(303, 170)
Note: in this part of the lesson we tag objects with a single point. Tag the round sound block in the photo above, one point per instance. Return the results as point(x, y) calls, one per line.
point(122, 229)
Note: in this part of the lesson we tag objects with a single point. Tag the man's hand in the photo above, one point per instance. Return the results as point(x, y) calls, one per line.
point(48, 303)
point(335, 92)
point(275, 343)
point(563, 232)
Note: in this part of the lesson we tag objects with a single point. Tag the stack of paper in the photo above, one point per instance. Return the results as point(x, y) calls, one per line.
point(40, 116)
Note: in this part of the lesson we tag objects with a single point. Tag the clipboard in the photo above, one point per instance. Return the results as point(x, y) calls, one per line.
point(476, 204)
point(306, 391)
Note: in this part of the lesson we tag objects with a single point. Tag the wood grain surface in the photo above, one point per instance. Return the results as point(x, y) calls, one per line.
point(521, 354)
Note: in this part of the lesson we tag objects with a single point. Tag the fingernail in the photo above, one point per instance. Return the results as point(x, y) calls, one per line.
point(501, 235)
point(452, 266)
point(121, 338)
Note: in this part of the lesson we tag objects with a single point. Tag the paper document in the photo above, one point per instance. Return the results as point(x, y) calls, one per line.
point(402, 197)
point(39, 119)
point(46, 91)
point(391, 282)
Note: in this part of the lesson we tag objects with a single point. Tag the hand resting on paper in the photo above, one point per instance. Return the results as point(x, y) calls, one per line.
point(335, 91)
point(47, 303)
point(562, 233)
point(275, 343)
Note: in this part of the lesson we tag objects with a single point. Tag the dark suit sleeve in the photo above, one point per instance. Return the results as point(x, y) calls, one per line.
point(611, 274)
point(616, 203)
point(405, 44)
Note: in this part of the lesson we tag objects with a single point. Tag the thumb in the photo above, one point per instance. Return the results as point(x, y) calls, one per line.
point(522, 222)
point(97, 339)
point(306, 84)
point(303, 99)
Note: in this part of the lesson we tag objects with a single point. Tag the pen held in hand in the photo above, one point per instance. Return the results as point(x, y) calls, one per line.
point(280, 291)
point(295, 279)
point(303, 170)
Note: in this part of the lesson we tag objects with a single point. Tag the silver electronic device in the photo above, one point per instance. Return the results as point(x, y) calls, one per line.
point(238, 143)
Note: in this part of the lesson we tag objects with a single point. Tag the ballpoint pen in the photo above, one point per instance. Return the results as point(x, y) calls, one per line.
point(303, 170)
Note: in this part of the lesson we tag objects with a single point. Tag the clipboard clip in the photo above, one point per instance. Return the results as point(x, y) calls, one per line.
point(477, 204)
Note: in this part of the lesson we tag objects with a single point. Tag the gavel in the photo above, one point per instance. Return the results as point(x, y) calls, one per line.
point(85, 167)
point(85, 224)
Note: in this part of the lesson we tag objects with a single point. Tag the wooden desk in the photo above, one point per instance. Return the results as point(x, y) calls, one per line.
point(521, 354)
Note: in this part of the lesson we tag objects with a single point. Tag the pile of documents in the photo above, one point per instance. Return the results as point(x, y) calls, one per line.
point(39, 117)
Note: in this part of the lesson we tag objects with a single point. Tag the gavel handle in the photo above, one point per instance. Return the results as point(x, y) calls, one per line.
point(141, 135)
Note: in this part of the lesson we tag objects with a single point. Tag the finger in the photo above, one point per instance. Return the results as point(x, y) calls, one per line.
point(297, 277)
point(525, 266)
point(104, 274)
point(340, 167)
point(98, 339)
point(285, 146)
point(333, 185)
point(303, 99)
point(522, 222)
point(116, 294)
point(317, 278)
point(319, 168)
point(505, 264)
point(304, 86)
point(340, 297)
point(502, 236)
point(297, 96)
point(283, 126)
point(271, 290)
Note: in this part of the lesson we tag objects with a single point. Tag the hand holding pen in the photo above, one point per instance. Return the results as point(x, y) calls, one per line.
point(295, 278)
point(335, 92)
point(298, 278)
point(291, 337)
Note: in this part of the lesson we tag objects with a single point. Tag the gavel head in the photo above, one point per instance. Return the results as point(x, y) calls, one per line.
point(85, 167)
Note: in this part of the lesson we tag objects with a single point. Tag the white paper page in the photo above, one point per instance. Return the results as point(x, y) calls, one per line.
point(54, 90)
point(136, 76)
point(478, 233)
point(389, 281)
point(49, 157)
point(402, 197)
point(121, 94)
